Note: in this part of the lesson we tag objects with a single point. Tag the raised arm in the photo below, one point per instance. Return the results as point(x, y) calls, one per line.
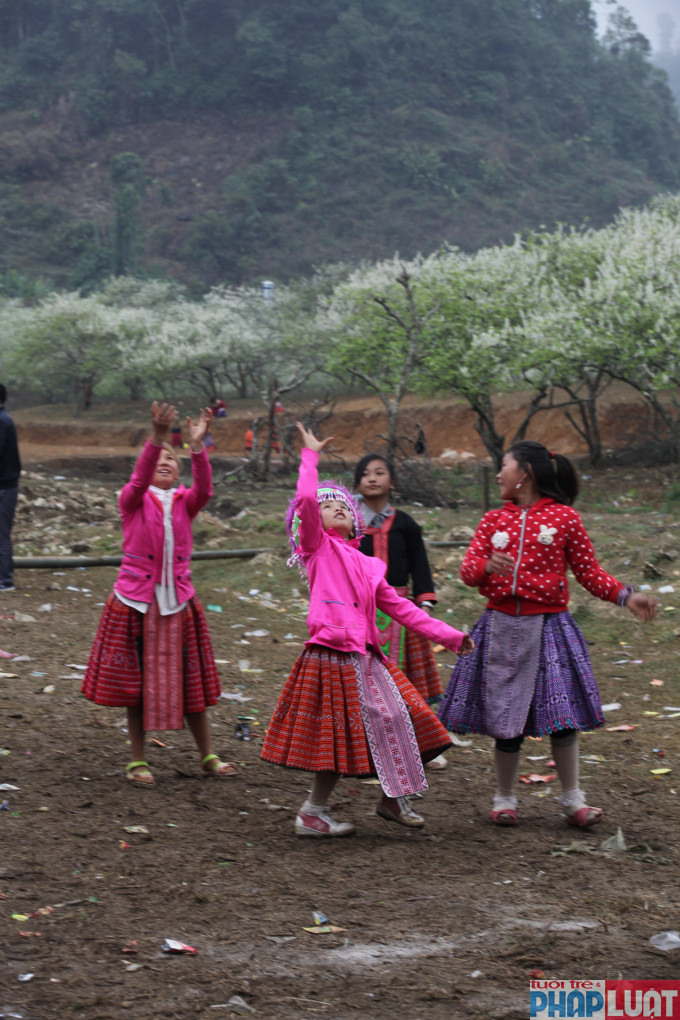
point(162, 417)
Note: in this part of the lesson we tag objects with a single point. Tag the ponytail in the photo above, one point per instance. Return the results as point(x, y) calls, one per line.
point(554, 474)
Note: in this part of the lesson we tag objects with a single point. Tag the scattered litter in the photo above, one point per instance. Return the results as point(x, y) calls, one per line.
point(137, 828)
point(665, 589)
point(291, 637)
point(614, 707)
point(319, 917)
point(538, 779)
point(50, 689)
point(536, 974)
point(6, 655)
point(130, 947)
point(214, 609)
point(24, 617)
point(236, 696)
point(256, 633)
point(172, 946)
point(660, 772)
point(75, 665)
point(8, 786)
point(239, 1005)
point(624, 728)
point(615, 842)
point(666, 940)
point(130, 967)
point(242, 728)
point(476, 973)
point(46, 607)
point(656, 683)
point(575, 847)
point(324, 929)
point(157, 742)
point(280, 939)
point(25, 977)
point(9, 676)
point(254, 591)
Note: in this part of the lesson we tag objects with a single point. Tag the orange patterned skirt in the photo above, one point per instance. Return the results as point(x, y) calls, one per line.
point(114, 668)
point(317, 724)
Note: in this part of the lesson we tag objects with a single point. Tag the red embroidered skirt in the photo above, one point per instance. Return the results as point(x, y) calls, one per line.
point(317, 723)
point(114, 674)
point(420, 667)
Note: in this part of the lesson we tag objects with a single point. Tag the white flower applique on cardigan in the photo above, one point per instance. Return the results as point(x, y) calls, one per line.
point(500, 539)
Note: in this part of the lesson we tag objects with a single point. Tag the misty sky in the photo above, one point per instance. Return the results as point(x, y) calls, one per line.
point(645, 13)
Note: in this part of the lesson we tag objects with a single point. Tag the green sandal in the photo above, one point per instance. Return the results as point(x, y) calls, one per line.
point(138, 772)
point(214, 767)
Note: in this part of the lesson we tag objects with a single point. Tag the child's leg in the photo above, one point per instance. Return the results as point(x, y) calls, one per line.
point(323, 785)
point(200, 730)
point(137, 771)
point(564, 745)
point(506, 763)
point(314, 817)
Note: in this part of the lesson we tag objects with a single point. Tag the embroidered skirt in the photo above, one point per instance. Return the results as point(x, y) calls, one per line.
point(420, 666)
point(318, 724)
point(114, 668)
point(411, 652)
point(556, 691)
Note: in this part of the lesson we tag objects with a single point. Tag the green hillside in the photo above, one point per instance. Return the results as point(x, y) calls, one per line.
point(269, 136)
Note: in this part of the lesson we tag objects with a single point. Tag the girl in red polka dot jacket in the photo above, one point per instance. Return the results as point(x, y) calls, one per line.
point(530, 672)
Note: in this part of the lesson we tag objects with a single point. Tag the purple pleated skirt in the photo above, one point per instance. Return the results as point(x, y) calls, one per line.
point(563, 693)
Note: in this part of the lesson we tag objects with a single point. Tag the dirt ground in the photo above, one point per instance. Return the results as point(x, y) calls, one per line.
point(445, 922)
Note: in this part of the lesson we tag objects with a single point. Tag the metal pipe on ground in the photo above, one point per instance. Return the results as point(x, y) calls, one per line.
point(115, 561)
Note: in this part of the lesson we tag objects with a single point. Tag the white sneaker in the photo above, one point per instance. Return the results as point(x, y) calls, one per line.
point(319, 822)
point(437, 764)
point(399, 810)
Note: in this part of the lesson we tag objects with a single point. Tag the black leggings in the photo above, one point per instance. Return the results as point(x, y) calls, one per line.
point(512, 745)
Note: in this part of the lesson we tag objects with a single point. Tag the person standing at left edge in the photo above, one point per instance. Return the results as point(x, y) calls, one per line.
point(10, 469)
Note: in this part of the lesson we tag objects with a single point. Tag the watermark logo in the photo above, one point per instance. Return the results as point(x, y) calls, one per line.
point(604, 1000)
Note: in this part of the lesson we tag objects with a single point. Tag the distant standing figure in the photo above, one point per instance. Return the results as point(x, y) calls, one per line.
point(176, 435)
point(419, 445)
point(248, 440)
point(218, 407)
point(10, 469)
point(209, 443)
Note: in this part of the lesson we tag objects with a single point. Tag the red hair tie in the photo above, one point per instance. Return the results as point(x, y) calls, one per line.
point(552, 455)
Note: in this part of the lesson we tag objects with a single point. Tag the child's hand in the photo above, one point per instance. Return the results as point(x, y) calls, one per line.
point(198, 430)
point(499, 563)
point(467, 645)
point(310, 441)
point(641, 605)
point(162, 417)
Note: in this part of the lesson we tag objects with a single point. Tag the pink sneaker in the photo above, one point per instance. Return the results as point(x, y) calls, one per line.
point(399, 810)
point(320, 823)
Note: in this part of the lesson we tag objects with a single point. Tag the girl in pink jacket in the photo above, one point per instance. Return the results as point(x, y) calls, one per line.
point(345, 709)
point(530, 674)
point(152, 653)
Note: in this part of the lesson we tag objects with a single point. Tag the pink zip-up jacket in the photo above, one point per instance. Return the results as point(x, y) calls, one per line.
point(346, 586)
point(543, 540)
point(142, 521)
